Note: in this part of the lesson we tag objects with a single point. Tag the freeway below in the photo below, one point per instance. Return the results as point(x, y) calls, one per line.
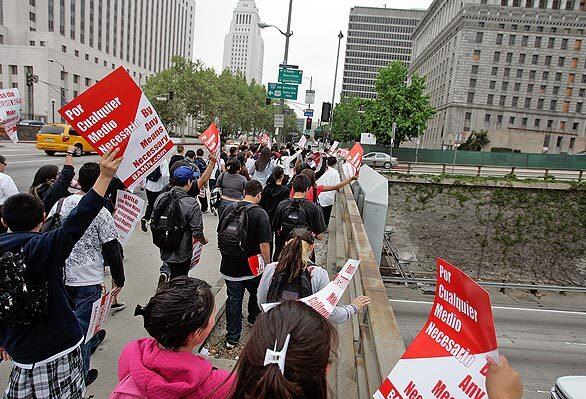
point(543, 337)
point(485, 171)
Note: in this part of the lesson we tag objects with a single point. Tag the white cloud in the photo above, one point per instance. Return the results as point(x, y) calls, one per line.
point(315, 25)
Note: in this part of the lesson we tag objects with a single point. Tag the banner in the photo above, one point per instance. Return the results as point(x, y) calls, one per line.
point(265, 139)
point(196, 255)
point(447, 359)
point(256, 264)
point(325, 300)
point(100, 311)
point(129, 209)
point(354, 157)
point(10, 103)
point(333, 148)
point(302, 142)
point(211, 139)
point(115, 113)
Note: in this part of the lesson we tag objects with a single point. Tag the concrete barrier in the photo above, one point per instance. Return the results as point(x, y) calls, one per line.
point(371, 344)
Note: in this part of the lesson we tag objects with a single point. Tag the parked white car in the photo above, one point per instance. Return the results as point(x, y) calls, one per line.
point(570, 387)
point(379, 159)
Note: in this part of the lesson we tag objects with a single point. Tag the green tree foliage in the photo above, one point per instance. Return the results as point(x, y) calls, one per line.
point(398, 101)
point(476, 141)
point(349, 121)
point(204, 95)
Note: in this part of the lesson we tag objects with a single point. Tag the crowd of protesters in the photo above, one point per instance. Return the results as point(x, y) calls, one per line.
point(272, 204)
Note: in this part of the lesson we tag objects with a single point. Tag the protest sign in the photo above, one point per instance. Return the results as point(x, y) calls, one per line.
point(211, 139)
point(447, 359)
point(100, 310)
point(343, 153)
point(10, 103)
point(129, 209)
point(265, 139)
point(354, 157)
point(333, 148)
point(196, 254)
point(302, 142)
point(325, 300)
point(285, 163)
point(115, 113)
point(256, 264)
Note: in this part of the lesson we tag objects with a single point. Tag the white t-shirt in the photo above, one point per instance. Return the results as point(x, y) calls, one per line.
point(220, 163)
point(7, 187)
point(331, 177)
point(85, 265)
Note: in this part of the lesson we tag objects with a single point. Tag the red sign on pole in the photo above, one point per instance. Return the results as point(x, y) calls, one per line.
point(115, 113)
point(447, 359)
point(355, 156)
point(211, 139)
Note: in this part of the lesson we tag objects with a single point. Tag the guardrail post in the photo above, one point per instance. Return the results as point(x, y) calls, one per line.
point(443, 169)
point(478, 170)
point(513, 170)
point(408, 168)
point(546, 174)
point(580, 175)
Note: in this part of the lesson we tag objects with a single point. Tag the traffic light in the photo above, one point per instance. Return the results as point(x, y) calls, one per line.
point(326, 112)
point(308, 124)
point(30, 79)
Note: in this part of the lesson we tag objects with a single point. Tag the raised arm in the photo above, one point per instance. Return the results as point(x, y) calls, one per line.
point(340, 185)
point(207, 174)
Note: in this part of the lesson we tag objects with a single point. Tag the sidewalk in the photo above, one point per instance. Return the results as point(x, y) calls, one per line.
point(141, 264)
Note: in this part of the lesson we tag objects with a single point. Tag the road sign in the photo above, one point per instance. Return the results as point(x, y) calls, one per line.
point(308, 112)
point(309, 96)
point(290, 76)
point(279, 120)
point(284, 91)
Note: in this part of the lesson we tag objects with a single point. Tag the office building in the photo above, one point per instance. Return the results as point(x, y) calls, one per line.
point(516, 69)
point(243, 46)
point(71, 44)
point(376, 37)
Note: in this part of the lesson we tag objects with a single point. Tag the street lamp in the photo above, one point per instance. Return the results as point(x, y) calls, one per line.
point(340, 37)
point(53, 108)
point(57, 62)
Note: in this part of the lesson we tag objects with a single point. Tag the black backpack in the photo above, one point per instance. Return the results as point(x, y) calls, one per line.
point(166, 224)
point(53, 222)
point(283, 290)
point(21, 303)
point(232, 234)
point(155, 175)
point(293, 216)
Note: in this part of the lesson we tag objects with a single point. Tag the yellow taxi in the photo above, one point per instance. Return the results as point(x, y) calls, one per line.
point(56, 137)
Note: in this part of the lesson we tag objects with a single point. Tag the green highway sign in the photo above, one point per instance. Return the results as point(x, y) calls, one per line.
point(282, 91)
point(290, 76)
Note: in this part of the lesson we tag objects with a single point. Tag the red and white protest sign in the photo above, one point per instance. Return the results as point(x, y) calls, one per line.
point(256, 264)
point(129, 209)
point(196, 254)
point(265, 139)
point(100, 310)
point(333, 148)
point(211, 139)
point(447, 359)
point(10, 103)
point(325, 300)
point(302, 142)
point(115, 113)
point(353, 161)
point(343, 153)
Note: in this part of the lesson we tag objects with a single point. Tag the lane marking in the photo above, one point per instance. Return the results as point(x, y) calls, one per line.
point(575, 343)
point(500, 307)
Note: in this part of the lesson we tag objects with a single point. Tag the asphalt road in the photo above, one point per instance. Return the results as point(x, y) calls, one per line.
point(543, 338)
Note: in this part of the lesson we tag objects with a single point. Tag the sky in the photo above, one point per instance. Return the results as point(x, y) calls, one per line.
point(315, 25)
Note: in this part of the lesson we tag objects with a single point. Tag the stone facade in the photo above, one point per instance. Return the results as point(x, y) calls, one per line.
point(514, 69)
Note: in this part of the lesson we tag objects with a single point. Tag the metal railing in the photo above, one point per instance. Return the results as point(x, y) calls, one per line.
point(371, 344)
point(546, 174)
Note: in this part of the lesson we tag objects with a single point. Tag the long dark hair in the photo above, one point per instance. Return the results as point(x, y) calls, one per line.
point(180, 307)
point(263, 161)
point(277, 174)
point(312, 343)
point(233, 166)
point(311, 174)
point(291, 259)
point(45, 176)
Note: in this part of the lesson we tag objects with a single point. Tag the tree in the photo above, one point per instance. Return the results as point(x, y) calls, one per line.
point(349, 121)
point(401, 101)
point(476, 141)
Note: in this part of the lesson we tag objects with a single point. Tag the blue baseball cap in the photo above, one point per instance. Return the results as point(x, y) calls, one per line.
point(184, 174)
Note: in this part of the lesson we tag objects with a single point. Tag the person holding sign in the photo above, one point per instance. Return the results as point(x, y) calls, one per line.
point(295, 276)
point(50, 339)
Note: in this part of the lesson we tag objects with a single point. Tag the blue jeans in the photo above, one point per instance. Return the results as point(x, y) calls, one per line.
point(235, 291)
point(82, 299)
point(222, 206)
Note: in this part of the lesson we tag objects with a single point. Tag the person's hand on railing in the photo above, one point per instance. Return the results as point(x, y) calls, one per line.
point(502, 381)
point(361, 301)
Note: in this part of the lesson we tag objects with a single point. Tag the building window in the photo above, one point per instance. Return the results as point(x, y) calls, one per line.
point(524, 41)
point(569, 91)
point(476, 55)
point(515, 102)
point(582, 93)
point(492, 84)
point(566, 106)
point(505, 86)
point(507, 72)
point(517, 86)
point(472, 82)
point(578, 107)
point(470, 99)
point(573, 139)
point(560, 138)
point(32, 16)
point(551, 42)
point(64, 49)
point(512, 40)
point(43, 43)
point(527, 103)
point(474, 69)
point(499, 119)
point(578, 45)
point(82, 21)
point(521, 58)
point(490, 99)
point(540, 103)
point(552, 105)
point(537, 122)
point(88, 82)
point(542, 89)
point(524, 122)
point(532, 75)
point(87, 57)
point(499, 38)
point(62, 17)
point(534, 59)
point(558, 77)
point(569, 4)
point(575, 126)
point(487, 118)
point(545, 75)
point(494, 71)
point(96, 60)
point(31, 42)
point(538, 42)
point(13, 69)
point(468, 116)
point(512, 120)
point(546, 140)
point(549, 123)
point(497, 56)
point(502, 101)
point(509, 57)
point(50, 15)
point(564, 44)
point(479, 37)
point(76, 79)
point(530, 88)
point(519, 73)
point(548, 60)
point(571, 77)
point(561, 61)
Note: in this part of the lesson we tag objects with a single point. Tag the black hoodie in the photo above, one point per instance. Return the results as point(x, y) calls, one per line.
point(272, 195)
point(45, 256)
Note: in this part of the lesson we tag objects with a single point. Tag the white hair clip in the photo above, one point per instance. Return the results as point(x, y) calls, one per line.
point(274, 357)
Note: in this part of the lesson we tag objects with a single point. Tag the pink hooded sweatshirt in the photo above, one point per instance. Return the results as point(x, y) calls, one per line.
point(147, 371)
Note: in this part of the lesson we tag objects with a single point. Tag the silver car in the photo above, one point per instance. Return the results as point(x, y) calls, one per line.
point(379, 159)
point(569, 387)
